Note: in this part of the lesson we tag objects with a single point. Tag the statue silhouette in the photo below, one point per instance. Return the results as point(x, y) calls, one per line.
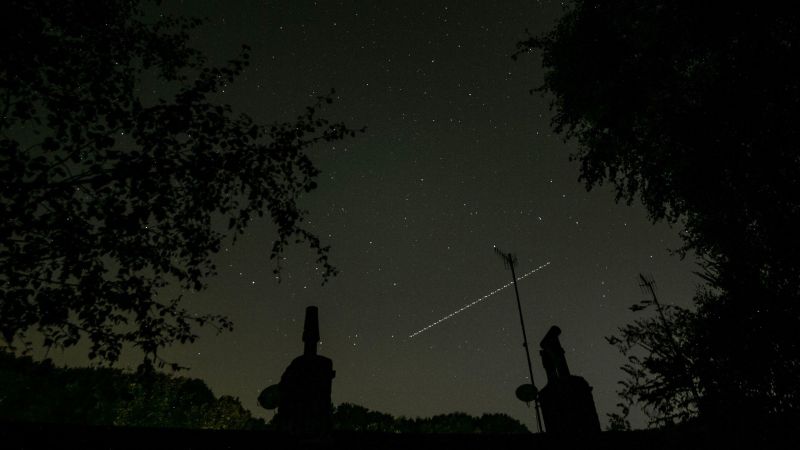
point(567, 403)
point(304, 400)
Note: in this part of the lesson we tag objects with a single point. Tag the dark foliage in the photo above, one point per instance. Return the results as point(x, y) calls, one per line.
point(109, 193)
point(661, 368)
point(38, 392)
point(692, 108)
point(350, 417)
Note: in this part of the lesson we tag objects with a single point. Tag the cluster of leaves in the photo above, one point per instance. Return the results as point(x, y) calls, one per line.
point(709, 362)
point(692, 108)
point(747, 352)
point(661, 369)
point(108, 196)
point(687, 107)
point(350, 417)
point(38, 392)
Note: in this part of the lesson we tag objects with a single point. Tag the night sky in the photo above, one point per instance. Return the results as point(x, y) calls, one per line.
point(458, 156)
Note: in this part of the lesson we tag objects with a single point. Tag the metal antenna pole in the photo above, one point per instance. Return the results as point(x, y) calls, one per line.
point(510, 261)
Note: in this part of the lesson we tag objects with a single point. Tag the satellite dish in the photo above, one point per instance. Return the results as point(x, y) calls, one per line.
point(268, 398)
point(527, 392)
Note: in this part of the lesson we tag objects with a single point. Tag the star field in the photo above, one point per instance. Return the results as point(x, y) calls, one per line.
point(458, 156)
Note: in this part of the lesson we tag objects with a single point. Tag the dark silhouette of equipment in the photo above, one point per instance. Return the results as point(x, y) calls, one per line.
point(526, 392)
point(566, 400)
point(304, 393)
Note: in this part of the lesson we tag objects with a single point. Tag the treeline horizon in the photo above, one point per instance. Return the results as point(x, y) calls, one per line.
point(39, 392)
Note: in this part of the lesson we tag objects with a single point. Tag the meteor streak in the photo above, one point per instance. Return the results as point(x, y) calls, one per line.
point(469, 305)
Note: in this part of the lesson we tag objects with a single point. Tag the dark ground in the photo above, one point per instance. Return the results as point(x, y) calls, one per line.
point(26, 436)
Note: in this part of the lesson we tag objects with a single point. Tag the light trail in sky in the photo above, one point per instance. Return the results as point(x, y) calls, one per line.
point(469, 305)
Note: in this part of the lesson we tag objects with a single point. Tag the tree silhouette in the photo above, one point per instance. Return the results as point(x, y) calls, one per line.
point(692, 108)
point(350, 417)
point(38, 392)
point(111, 191)
point(661, 368)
